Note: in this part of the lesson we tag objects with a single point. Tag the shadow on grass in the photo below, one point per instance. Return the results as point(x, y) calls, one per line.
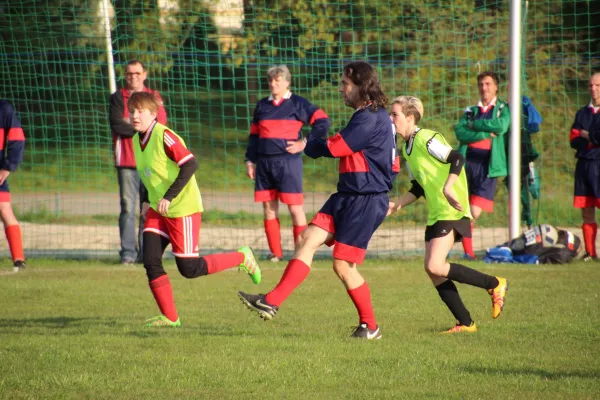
point(541, 373)
point(145, 333)
point(51, 322)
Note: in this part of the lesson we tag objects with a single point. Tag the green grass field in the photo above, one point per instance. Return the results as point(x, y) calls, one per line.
point(73, 330)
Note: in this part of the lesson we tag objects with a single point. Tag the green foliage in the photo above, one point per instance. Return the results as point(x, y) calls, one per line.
point(138, 22)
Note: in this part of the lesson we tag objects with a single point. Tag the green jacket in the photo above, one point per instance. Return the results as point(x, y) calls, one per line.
point(482, 129)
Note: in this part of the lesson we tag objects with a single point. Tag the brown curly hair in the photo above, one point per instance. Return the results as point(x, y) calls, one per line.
point(363, 75)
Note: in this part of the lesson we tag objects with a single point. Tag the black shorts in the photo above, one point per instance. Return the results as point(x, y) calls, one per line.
point(461, 228)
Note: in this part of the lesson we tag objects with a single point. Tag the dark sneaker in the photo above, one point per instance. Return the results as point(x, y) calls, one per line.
point(19, 265)
point(363, 332)
point(258, 303)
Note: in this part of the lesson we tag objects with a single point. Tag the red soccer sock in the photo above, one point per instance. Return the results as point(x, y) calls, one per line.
point(15, 242)
point(589, 237)
point(361, 297)
point(163, 294)
point(467, 244)
point(298, 229)
point(274, 236)
point(222, 261)
point(295, 272)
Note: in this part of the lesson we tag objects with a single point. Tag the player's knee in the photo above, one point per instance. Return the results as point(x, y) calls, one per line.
point(307, 242)
point(8, 216)
point(296, 210)
point(434, 268)
point(191, 267)
point(588, 215)
point(153, 264)
point(154, 271)
point(341, 271)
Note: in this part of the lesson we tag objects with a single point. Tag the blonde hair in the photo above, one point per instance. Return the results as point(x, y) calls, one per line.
point(411, 105)
point(279, 70)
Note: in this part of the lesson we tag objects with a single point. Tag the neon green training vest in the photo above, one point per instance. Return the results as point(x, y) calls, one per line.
point(432, 175)
point(158, 172)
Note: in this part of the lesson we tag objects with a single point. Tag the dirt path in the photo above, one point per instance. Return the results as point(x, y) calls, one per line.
point(105, 239)
point(108, 203)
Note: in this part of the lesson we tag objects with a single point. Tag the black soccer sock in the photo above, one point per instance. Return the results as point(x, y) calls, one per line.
point(462, 274)
point(451, 298)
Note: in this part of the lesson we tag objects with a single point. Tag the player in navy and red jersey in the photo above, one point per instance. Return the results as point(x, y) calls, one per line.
point(481, 132)
point(366, 148)
point(12, 146)
point(274, 154)
point(585, 138)
point(129, 180)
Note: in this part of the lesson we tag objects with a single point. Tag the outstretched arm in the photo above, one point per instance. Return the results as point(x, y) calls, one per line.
point(409, 197)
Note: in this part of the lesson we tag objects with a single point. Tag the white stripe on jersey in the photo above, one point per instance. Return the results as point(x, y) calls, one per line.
point(169, 141)
point(438, 149)
point(184, 160)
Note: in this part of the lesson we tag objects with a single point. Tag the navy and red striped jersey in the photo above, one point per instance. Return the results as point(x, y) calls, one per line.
point(276, 123)
point(586, 119)
point(366, 148)
point(485, 112)
point(122, 130)
point(12, 139)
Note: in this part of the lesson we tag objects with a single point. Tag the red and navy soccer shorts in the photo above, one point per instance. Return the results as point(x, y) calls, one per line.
point(352, 219)
point(279, 178)
point(182, 232)
point(587, 184)
point(481, 188)
point(4, 192)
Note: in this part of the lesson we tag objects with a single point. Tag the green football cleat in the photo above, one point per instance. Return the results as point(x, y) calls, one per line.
point(161, 321)
point(250, 265)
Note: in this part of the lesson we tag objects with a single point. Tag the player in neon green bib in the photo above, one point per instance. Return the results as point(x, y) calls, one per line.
point(158, 173)
point(173, 209)
point(437, 173)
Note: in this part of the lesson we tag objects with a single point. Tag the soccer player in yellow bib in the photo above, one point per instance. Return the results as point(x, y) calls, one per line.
point(174, 215)
point(437, 173)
